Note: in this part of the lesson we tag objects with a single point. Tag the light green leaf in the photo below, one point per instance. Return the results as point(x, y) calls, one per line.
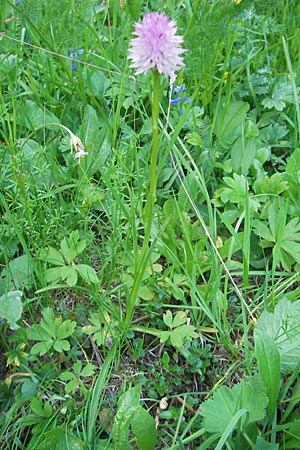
point(11, 308)
point(67, 376)
point(164, 336)
point(261, 229)
point(65, 329)
point(168, 319)
point(179, 319)
point(88, 370)
point(71, 386)
point(61, 439)
point(128, 405)
point(283, 327)
point(18, 274)
point(144, 429)
point(36, 117)
point(39, 333)
point(53, 275)
point(229, 119)
point(219, 411)
point(262, 444)
point(268, 359)
point(41, 348)
point(62, 345)
point(88, 273)
point(52, 256)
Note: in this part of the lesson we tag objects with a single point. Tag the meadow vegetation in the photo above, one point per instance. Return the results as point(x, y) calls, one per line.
point(127, 324)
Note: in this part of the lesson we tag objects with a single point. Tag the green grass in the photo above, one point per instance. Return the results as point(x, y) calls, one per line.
point(224, 241)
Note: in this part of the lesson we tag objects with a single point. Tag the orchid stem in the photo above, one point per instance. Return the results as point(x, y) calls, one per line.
point(149, 208)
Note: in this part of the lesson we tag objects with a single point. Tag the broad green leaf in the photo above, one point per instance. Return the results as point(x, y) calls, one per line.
point(11, 308)
point(283, 327)
point(53, 275)
point(276, 184)
point(69, 274)
point(242, 154)
point(61, 439)
point(48, 321)
point(97, 83)
point(237, 189)
point(268, 360)
point(262, 230)
point(164, 336)
point(52, 256)
point(28, 389)
point(37, 408)
point(219, 411)
point(262, 444)
point(128, 405)
point(96, 140)
point(18, 274)
point(144, 429)
point(87, 272)
point(36, 117)
point(229, 119)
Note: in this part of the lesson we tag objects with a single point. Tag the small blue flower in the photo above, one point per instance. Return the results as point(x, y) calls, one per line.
point(17, 1)
point(73, 57)
point(178, 89)
point(179, 99)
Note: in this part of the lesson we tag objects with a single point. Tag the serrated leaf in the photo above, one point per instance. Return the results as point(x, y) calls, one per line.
point(187, 332)
point(164, 336)
point(38, 333)
point(179, 319)
point(88, 370)
point(220, 410)
point(283, 327)
point(71, 386)
point(67, 376)
point(261, 229)
point(62, 345)
point(41, 348)
point(72, 247)
point(66, 329)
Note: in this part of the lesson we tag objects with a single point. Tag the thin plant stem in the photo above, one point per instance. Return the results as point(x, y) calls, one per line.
point(149, 208)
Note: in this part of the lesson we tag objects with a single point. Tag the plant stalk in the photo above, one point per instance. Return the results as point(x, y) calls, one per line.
point(149, 208)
